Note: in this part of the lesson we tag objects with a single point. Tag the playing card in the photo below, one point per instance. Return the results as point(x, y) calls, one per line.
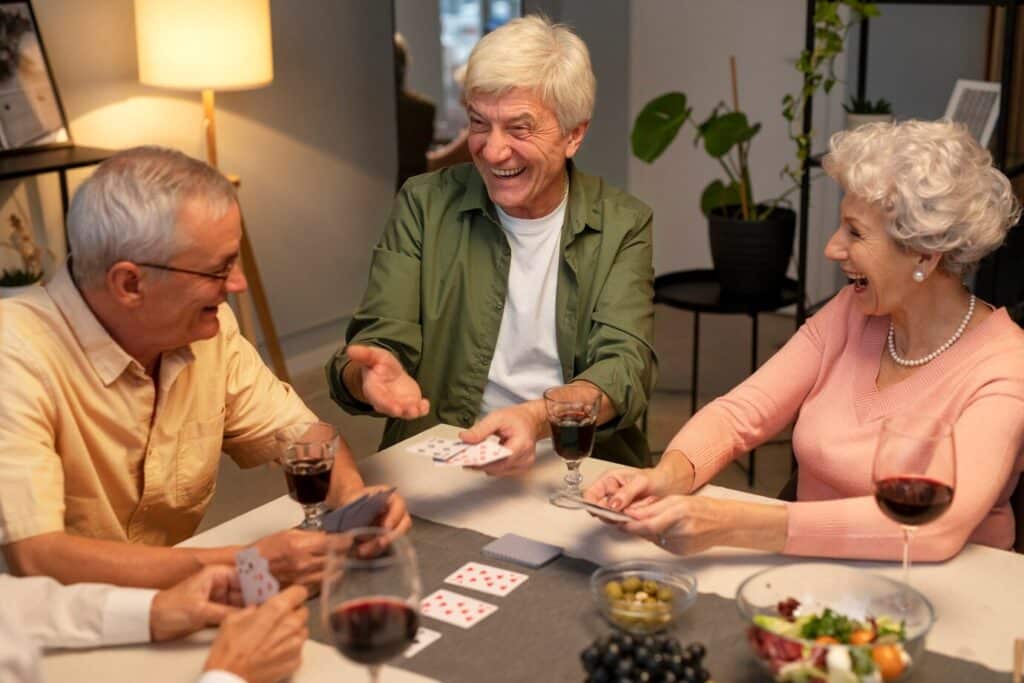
point(478, 455)
point(437, 448)
point(487, 579)
point(424, 637)
point(598, 510)
point(452, 608)
point(258, 584)
point(362, 511)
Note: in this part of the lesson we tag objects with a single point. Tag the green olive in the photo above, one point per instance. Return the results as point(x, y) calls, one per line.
point(665, 594)
point(651, 587)
point(631, 584)
point(613, 590)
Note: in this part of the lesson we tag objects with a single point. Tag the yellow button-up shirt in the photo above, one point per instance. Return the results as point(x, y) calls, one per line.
point(86, 445)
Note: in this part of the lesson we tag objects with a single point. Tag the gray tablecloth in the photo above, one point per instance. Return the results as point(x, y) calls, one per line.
point(541, 627)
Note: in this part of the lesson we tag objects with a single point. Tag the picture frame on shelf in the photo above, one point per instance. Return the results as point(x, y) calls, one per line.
point(976, 105)
point(31, 114)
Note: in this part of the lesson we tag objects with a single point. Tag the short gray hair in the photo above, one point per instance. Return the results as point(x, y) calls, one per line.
point(935, 183)
point(533, 53)
point(128, 209)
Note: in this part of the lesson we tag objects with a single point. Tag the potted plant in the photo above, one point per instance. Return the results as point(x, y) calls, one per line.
point(17, 279)
point(751, 242)
point(860, 111)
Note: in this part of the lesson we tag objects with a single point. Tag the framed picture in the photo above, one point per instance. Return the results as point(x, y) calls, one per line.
point(31, 114)
point(976, 105)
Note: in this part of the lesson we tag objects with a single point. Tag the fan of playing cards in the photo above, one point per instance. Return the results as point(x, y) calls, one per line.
point(371, 595)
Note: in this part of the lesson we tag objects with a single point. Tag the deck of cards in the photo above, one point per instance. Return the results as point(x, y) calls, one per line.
point(459, 453)
point(258, 584)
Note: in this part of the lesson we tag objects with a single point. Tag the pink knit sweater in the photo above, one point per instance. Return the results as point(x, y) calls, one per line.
point(825, 378)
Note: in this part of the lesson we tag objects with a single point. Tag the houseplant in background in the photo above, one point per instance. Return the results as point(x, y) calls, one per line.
point(751, 242)
point(30, 272)
point(861, 111)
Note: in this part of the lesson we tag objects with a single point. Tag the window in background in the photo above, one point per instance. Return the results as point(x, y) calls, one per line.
point(463, 22)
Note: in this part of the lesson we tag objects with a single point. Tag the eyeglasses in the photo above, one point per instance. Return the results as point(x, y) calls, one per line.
point(223, 275)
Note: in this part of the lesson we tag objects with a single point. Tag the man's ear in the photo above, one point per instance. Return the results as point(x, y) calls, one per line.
point(576, 136)
point(124, 284)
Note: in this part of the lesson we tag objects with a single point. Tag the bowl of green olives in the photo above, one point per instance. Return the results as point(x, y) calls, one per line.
point(643, 597)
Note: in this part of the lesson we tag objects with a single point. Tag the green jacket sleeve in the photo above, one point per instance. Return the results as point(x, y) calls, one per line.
point(620, 344)
point(389, 315)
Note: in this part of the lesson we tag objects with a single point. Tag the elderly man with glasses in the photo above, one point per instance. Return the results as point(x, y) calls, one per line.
point(126, 376)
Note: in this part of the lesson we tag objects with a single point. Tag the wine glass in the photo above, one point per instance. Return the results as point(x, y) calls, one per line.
point(914, 473)
point(307, 455)
point(371, 595)
point(572, 413)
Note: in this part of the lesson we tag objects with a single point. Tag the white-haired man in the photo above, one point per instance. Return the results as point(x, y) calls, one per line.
point(126, 376)
point(497, 279)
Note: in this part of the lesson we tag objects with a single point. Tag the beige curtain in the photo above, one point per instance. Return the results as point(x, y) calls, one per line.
point(996, 24)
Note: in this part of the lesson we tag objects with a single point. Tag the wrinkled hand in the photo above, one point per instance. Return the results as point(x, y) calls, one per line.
point(295, 556)
point(518, 428)
point(386, 385)
point(203, 599)
point(620, 488)
point(263, 644)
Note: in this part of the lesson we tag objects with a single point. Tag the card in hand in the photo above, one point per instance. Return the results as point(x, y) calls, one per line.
point(362, 511)
point(439, 449)
point(487, 579)
point(598, 510)
point(424, 637)
point(452, 608)
point(478, 455)
point(258, 584)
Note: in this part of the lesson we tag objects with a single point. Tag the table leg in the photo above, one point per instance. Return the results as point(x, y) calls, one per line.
point(753, 369)
point(693, 363)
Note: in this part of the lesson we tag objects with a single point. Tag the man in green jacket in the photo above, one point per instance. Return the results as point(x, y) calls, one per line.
point(497, 279)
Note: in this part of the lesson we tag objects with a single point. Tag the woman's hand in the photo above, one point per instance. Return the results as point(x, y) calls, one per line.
point(685, 525)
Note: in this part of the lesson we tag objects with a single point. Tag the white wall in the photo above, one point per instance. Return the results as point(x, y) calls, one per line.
point(686, 46)
point(315, 150)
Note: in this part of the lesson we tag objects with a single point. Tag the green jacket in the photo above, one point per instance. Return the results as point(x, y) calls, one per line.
point(436, 294)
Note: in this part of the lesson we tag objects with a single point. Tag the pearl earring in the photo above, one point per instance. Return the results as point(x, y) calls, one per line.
point(918, 275)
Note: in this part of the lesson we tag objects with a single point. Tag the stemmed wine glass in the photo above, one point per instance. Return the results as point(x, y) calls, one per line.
point(914, 473)
point(572, 413)
point(307, 452)
point(371, 595)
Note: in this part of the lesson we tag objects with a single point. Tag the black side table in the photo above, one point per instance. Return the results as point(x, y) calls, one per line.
point(698, 291)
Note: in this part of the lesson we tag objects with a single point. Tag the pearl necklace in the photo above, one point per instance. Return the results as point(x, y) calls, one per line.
point(937, 352)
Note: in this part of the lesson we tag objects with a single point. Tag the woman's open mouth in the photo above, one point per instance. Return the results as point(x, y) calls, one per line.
point(860, 283)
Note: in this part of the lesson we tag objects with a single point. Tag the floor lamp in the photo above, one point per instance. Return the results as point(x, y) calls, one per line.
point(207, 46)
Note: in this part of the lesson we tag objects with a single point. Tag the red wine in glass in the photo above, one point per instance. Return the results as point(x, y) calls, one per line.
point(912, 500)
point(572, 435)
point(373, 630)
point(308, 482)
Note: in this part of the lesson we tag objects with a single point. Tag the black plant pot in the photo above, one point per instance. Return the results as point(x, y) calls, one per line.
point(751, 257)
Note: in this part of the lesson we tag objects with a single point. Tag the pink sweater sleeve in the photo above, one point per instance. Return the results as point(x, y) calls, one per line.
point(988, 436)
point(759, 407)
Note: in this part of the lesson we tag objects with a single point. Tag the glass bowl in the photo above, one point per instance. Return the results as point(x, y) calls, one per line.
point(851, 592)
point(676, 588)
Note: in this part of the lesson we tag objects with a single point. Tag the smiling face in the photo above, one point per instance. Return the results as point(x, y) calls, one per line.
point(520, 151)
point(183, 306)
point(880, 270)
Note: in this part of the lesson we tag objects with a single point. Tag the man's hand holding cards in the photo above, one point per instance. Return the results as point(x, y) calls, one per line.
point(459, 453)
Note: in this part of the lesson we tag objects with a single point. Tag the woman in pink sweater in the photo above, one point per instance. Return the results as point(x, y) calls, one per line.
point(922, 206)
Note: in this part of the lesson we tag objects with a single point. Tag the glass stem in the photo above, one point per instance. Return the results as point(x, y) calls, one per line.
point(574, 477)
point(908, 534)
point(374, 673)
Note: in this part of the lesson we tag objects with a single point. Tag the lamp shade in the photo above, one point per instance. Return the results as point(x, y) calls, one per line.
point(204, 44)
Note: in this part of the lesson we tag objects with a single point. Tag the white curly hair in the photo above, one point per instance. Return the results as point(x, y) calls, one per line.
point(533, 53)
point(935, 183)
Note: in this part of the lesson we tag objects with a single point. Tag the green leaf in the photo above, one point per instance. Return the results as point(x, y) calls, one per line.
point(722, 133)
point(718, 194)
point(658, 124)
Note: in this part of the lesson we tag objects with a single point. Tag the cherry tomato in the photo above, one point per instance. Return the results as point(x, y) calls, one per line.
point(887, 659)
point(861, 637)
point(826, 640)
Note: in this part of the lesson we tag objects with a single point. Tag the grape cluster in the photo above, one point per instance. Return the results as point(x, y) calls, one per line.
point(622, 658)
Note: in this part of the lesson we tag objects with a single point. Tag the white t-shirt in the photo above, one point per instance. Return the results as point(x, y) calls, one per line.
point(525, 359)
